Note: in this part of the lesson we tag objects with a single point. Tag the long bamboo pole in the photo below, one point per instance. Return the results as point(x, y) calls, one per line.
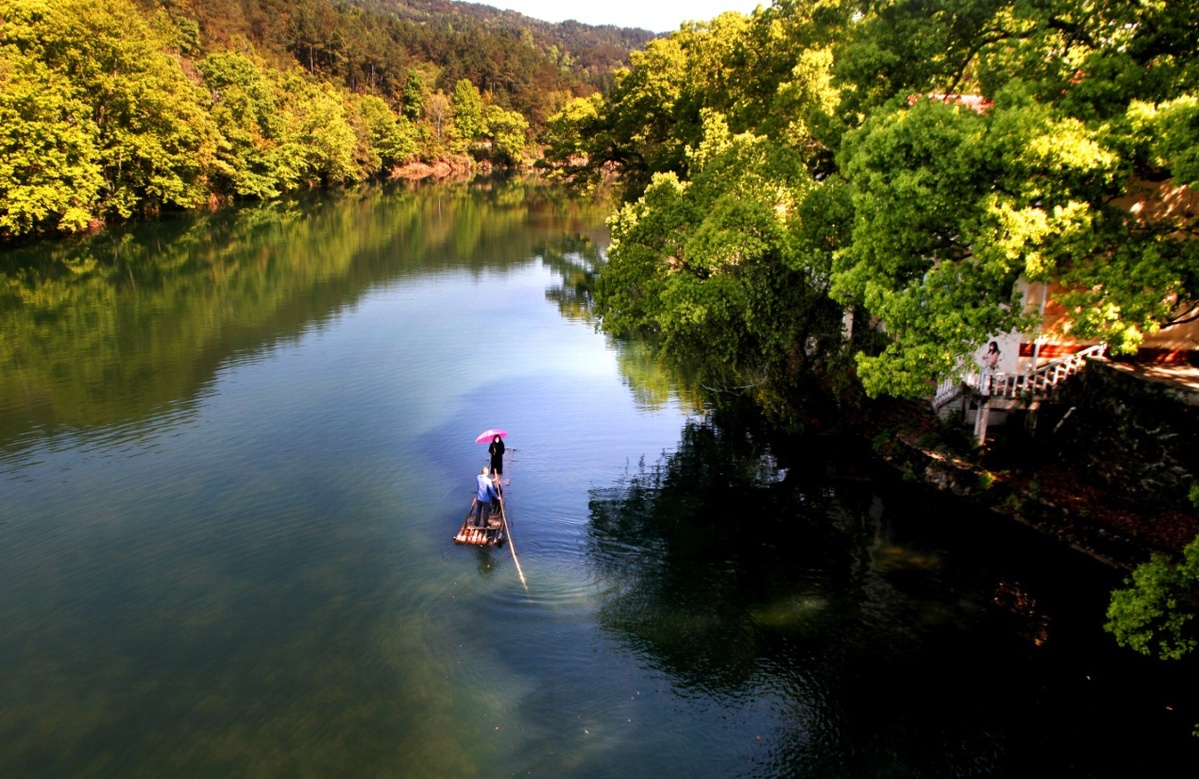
point(512, 546)
point(508, 533)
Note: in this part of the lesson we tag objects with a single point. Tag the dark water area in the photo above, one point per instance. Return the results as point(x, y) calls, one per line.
point(234, 448)
point(892, 634)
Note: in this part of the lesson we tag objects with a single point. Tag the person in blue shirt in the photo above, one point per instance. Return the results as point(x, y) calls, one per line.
point(484, 494)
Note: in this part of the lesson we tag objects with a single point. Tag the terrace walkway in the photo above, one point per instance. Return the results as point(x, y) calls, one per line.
point(1003, 391)
point(1181, 378)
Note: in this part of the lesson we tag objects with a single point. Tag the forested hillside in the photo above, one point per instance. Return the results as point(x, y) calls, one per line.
point(589, 50)
point(526, 64)
point(113, 108)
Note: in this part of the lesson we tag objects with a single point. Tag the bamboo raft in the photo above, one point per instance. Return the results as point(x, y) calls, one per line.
point(492, 535)
point(495, 534)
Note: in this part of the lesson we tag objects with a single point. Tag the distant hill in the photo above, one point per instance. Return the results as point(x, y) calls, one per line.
point(374, 46)
point(592, 47)
point(589, 52)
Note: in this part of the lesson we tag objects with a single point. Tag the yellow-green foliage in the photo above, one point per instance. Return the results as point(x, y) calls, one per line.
point(102, 116)
point(49, 156)
point(153, 140)
point(468, 114)
point(507, 131)
point(942, 151)
point(1155, 614)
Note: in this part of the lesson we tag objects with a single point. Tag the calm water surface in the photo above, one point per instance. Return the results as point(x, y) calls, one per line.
point(234, 449)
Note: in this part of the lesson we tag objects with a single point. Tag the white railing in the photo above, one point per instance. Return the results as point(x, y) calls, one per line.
point(947, 391)
point(1037, 384)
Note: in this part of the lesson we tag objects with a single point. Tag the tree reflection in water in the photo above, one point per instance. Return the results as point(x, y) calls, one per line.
point(578, 259)
point(115, 327)
point(752, 574)
point(696, 546)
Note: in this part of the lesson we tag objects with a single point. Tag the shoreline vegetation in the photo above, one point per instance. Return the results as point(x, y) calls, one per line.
point(1094, 520)
point(117, 109)
point(436, 170)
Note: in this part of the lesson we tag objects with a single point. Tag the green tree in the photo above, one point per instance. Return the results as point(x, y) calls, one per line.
point(154, 141)
point(653, 112)
point(468, 115)
point(245, 109)
point(711, 270)
point(316, 126)
point(952, 207)
point(413, 97)
point(50, 175)
point(1044, 184)
point(384, 139)
point(961, 146)
point(570, 142)
point(507, 132)
point(1155, 614)
point(923, 202)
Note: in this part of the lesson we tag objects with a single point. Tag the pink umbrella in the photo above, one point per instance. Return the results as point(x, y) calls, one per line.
point(487, 435)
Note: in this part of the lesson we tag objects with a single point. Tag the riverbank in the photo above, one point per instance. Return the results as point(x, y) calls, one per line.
point(438, 169)
point(1110, 526)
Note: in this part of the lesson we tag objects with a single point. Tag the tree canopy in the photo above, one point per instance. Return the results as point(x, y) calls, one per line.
point(1155, 614)
point(923, 158)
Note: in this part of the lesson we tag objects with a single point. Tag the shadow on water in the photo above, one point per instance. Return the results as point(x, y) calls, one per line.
point(485, 557)
point(892, 635)
point(577, 259)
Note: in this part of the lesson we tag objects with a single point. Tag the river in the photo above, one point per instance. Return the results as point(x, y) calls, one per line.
point(234, 448)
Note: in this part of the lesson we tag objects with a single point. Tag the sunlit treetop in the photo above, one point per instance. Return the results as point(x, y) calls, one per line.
point(940, 152)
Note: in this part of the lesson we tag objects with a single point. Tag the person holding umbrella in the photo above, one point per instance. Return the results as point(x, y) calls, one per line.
point(496, 450)
point(493, 437)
